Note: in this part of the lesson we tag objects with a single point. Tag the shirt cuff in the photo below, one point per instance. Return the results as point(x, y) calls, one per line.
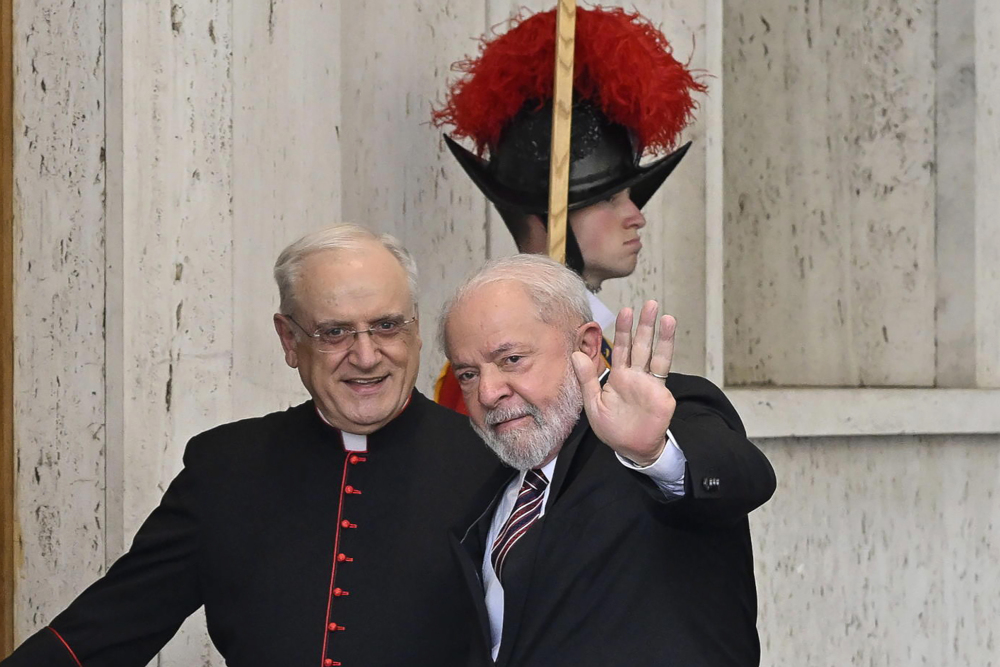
point(667, 472)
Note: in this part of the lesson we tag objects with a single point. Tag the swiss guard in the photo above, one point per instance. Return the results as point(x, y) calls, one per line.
point(631, 99)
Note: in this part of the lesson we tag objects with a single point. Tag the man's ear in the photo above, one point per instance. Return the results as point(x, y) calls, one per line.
point(588, 341)
point(287, 337)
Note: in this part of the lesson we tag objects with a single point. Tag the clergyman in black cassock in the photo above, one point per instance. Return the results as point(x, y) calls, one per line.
point(313, 537)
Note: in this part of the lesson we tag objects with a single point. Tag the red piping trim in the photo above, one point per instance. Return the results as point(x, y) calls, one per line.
point(59, 637)
point(333, 569)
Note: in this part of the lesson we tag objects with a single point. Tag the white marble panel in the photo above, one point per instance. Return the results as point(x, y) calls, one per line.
point(713, 120)
point(287, 131)
point(177, 232)
point(397, 174)
point(830, 196)
point(671, 266)
point(58, 305)
point(880, 551)
point(987, 196)
point(955, 215)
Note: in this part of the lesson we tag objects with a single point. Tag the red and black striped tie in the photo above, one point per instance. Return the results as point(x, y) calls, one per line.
point(526, 511)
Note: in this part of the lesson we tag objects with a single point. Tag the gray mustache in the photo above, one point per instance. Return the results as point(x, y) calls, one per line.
point(498, 415)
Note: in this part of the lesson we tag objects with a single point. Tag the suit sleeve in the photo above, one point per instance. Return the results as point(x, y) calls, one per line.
point(127, 616)
point(726, 476)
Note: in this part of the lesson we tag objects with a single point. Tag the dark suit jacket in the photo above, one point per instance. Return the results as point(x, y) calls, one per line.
point(621, 576)
point(269, 520)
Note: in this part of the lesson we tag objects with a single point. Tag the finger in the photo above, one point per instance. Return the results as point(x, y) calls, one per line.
point(621, 351)
point(663, 354)
point(642, 346)
point(590, 386)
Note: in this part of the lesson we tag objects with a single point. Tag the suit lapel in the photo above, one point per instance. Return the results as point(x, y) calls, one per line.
point(566, 464)
point(515, 600)
point(471, 576)
point(469, 549)
point(515, 597)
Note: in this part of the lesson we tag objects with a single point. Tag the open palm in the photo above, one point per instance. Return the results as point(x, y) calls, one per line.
point(632, 411)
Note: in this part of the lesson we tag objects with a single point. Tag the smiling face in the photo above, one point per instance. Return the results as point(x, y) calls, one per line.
point(363, 387)
point(515, 372)
point(608, 235)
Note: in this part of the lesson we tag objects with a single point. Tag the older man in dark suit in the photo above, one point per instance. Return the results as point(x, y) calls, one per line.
point(621, 537)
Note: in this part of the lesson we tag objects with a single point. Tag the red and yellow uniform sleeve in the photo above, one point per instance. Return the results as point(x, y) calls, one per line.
point(448, 393)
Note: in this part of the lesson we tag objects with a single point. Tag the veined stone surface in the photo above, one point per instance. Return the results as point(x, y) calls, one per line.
point(880, 551)
point(178, 232)
point(59, 272)
point(987, 196)
point(830, 193)
point(955, 214)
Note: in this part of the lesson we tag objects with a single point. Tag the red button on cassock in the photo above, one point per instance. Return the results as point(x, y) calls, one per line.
point(348, 489)
point(342, 558)
point(355, 459)
point(328, 663)
point(347, 524)
point(340, 591)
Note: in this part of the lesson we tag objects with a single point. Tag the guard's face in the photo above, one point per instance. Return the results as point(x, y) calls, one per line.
point(513, 369)
point(362, 387)
point(608, 236)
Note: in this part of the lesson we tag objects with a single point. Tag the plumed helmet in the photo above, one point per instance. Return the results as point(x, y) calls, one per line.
point(632, 98)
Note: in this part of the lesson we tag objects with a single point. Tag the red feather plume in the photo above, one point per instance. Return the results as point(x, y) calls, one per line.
point(623, 63)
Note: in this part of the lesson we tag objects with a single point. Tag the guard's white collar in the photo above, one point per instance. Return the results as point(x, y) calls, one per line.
point(602, 314)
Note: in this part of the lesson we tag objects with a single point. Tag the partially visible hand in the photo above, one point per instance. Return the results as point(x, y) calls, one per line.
point(632, 411)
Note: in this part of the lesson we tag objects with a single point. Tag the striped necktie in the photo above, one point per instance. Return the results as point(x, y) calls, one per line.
point(526, 511)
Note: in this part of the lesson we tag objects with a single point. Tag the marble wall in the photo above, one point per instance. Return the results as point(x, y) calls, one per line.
point(829, 121)
point(59, 274)
point(987, 194)
point(880, 552)
point(166, 151)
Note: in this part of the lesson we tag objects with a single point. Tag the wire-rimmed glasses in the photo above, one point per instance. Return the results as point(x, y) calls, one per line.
point(339, 338)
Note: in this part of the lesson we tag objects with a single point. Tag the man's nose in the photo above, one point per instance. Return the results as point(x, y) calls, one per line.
point(364, 353)
point(631, 215)
point(493, 388)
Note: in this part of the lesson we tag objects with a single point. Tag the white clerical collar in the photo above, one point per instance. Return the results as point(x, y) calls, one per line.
point(353, 442)
point(602, 314)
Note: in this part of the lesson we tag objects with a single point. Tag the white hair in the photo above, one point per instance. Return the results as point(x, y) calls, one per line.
point(343, 236)
point(559, 294)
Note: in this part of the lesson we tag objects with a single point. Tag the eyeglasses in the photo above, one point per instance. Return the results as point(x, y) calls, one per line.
point(340, 339)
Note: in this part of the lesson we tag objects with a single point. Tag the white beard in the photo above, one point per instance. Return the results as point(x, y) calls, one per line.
point(528, 447)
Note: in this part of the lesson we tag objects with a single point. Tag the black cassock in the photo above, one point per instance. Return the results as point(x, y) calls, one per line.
point(301, 552)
